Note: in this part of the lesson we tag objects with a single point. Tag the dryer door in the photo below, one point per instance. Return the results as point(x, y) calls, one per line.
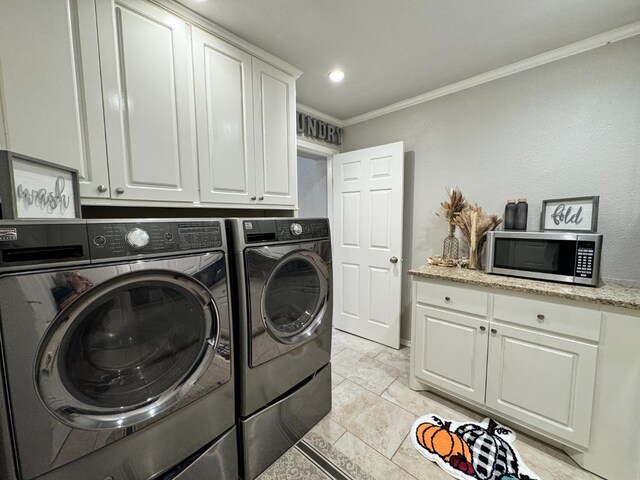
point(290, 288)
point(127, 349)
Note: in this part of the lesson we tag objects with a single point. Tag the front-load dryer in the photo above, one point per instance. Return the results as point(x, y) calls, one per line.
point(116, 349)
point(283, 275)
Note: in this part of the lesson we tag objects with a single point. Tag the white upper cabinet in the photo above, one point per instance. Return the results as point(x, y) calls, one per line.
point(145, 105)
point(274, 101)
point(50, 87)
point(145, 62)
point(224, 110)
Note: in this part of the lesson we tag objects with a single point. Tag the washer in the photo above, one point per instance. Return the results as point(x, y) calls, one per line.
point(284, 287)
point(116, 351)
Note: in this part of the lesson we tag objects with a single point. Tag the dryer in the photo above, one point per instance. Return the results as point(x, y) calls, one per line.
point(116, 350)
point(284, 310)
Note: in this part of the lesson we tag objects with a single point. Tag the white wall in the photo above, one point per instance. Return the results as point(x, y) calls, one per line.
point(568, 128)
point(312, 187)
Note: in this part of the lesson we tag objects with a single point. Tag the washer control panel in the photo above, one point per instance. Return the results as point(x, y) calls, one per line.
point(123, 239)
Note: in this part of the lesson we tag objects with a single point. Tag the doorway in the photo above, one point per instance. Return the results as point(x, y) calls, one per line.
point(315, 189)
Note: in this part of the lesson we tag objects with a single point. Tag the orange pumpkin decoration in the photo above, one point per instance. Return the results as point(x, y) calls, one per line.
point(436, 438)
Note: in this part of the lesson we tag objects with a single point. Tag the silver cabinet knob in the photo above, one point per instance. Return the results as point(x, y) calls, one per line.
point(494, 331)
point(253, 198)
point(102, 188)
point(541, 317)
point(482, 329)
point(447, 299)
point(119, 190)
point(260, 198)
point(393, 259)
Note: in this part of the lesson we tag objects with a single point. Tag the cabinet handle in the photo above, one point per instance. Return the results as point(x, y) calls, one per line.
point(541, 317)
point(494, 331)
point(260, 198)
point(482, 329)
point(102, 188)
point(253, 198)
point(119, 190)
point(447, 299)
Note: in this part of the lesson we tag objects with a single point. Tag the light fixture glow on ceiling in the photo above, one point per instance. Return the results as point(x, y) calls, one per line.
point(336, 76)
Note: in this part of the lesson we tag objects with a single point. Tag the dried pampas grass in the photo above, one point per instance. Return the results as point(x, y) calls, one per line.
point(454, 205)
point(473, 224)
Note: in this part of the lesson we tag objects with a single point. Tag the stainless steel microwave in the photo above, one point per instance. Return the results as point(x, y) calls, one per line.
point(555, 256)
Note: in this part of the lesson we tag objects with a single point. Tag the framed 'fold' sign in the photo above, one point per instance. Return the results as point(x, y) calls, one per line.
point(577, 214)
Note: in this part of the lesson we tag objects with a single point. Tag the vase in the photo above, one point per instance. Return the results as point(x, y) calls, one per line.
point(451, 244)
point(474, 257)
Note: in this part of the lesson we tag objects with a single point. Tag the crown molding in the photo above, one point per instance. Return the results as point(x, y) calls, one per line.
point(208, 25)
point(318, 114)
point(551, 56)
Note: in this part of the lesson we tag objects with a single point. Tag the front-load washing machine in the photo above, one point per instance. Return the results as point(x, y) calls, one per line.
point(283, 341)
point(116, 351)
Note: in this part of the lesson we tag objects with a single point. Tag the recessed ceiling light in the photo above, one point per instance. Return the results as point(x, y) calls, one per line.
point(336, 76)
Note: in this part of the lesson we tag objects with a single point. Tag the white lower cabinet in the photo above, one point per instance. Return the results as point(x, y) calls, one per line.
point(543, 380)
point(453, 351)
point(529, 360)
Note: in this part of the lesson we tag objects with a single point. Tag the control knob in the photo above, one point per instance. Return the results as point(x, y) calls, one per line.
point(296, 229)
point(137, 238)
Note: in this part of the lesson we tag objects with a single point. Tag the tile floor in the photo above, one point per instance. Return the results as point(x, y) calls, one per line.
point(373, 410)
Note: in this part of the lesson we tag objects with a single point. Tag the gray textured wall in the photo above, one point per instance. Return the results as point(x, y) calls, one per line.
point(568, 128)
point(312, 187)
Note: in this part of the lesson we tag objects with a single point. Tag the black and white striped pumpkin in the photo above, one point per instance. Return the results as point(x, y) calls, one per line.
point(492, 456)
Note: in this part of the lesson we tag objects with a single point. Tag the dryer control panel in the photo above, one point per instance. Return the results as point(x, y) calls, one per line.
point(131, 238)
point(284, 230)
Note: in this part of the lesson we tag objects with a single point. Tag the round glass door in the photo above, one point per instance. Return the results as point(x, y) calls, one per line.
point(295, 296)
point(127, 349)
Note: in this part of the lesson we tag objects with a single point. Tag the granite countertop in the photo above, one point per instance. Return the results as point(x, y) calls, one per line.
point(608, 294)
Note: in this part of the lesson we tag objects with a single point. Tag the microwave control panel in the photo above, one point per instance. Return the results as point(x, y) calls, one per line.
point(584, 259)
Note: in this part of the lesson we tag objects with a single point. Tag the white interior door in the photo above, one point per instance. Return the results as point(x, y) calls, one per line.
point(367, 242)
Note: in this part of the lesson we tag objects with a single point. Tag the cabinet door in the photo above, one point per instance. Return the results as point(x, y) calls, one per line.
point(144, 55)
point(274, 106)
point(543, 380)
point(224, 112)
point(451, 352)
point(50, 87)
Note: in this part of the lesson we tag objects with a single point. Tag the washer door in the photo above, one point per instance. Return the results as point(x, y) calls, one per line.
point(295, 297)
point(126, 350)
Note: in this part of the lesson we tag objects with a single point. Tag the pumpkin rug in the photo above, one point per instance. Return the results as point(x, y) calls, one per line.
point(470, 450)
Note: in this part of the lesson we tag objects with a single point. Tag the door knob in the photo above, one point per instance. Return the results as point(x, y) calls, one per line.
point(102, 188)
point(119, 190)
point(393, 259)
